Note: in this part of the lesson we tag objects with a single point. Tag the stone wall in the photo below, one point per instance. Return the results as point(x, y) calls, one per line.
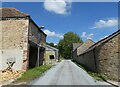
point(108, 58)
point(47, 55)
point(74, 54)
point(38, 37)
point(103, 58)
point(87, 60)
point(42, 39)
point(34, 33)
point(14, 42)
point(84, 46)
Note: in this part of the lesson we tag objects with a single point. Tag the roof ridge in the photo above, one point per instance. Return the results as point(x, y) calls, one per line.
point(104, 40)
point(118, 31)
point(12, 12)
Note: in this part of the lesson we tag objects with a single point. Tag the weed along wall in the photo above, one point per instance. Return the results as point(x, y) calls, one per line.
point(87, 60)
point(103, 57)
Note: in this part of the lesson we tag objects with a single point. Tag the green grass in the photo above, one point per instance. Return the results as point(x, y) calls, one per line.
point(61, 58)
point(96, 76)
point(33, 73)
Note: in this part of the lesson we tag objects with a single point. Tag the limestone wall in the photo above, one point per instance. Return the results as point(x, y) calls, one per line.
point(87, 60)
point(42, 39)
point(14, 42)
point(47, 59)
point(74, 54)
point(34, 34)
point(103, 59)
point(108, 58)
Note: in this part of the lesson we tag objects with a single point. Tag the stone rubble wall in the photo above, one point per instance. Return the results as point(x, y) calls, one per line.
point(103, 59)
point(87, 60)
point(34, 34)
point(107, 55)
point(14, 42)
point(47, 59)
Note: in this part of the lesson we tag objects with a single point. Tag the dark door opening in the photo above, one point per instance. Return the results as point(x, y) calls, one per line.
point(33, 55)
point(52, 57)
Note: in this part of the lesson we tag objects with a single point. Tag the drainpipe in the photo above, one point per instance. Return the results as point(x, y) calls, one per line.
point(38, 55)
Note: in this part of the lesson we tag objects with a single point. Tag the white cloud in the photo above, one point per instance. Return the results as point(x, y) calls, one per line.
point(53, 34)
point(55, 44)
point(58, 6)
point(104, 37)
point(87, 36)
point(112, 22)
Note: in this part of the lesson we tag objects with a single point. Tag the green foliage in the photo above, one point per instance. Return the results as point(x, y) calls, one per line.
point(65, 45)
point(52, 44)
point(33, 73)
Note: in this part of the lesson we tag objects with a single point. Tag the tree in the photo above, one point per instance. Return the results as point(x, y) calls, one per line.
point(65, 44)
point(52, 44)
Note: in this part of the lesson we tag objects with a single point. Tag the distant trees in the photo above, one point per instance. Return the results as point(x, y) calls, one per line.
point(65, 44)
point(52, 44)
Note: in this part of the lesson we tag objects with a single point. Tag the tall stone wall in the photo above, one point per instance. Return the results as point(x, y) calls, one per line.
point(87, 60)
point(42, 39)
point(14, 42)
point(34, 34)
point(108, 58)
point(38, 37)
point(0, 45)
point(103, 59)
point(74, 54)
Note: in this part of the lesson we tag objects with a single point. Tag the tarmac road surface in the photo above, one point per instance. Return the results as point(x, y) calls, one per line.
point(66, 73)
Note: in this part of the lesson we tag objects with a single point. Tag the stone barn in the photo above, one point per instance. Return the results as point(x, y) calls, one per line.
point(51, 55)
point(22, 42)
point(81, 47)
point(74, 51)
point(103, 56)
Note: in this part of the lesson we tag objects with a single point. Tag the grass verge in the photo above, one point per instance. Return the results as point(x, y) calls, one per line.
point(96, 76)
point(61, 58)
point(33, 73)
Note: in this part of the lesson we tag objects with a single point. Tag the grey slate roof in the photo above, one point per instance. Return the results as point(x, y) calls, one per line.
point(11, 12)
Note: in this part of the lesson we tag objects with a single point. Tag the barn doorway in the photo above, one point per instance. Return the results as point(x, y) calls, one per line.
point(33, 55)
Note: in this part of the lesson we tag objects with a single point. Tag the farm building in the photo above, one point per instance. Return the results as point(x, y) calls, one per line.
point(103, 56)
point(74, 51)
point(51, 55)
point(22, 45)
point(79, 48)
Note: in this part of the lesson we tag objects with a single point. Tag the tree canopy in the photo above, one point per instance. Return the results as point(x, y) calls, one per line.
point(65, 44)
point(52, 44)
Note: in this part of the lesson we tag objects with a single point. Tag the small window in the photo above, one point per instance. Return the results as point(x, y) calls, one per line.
point(51, 56)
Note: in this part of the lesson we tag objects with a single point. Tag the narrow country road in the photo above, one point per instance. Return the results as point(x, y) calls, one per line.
point(66, 73)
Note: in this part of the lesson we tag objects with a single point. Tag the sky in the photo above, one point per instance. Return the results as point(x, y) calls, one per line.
point(90, 20)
